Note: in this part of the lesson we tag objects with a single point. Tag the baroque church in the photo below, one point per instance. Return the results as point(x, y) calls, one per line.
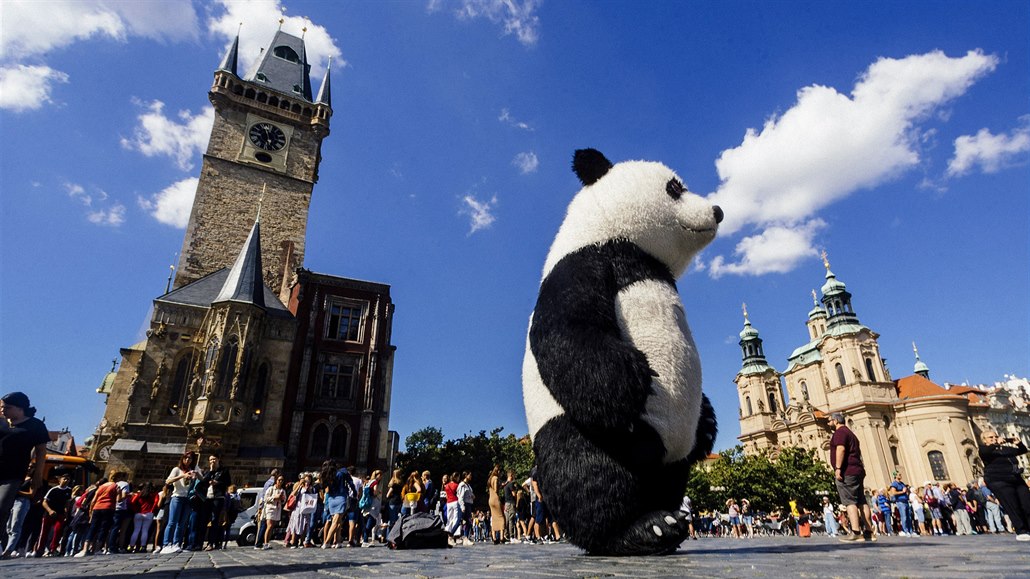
point(249, 355)
point(911, 425)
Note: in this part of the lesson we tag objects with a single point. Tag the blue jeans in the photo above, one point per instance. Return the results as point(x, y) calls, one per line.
point(178, 515)
point(831, 523)
point(906, 516)
point(13, 527)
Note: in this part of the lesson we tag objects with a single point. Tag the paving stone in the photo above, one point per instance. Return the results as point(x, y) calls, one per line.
point(937, 557)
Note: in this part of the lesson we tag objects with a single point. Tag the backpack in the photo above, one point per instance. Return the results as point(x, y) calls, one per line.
point(366, 498)
point(418, 531)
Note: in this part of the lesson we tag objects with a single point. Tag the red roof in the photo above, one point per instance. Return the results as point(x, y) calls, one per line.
point(915, 386)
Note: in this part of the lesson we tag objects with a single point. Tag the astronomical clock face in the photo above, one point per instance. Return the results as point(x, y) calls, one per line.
point(267, 136)
point(105, 453)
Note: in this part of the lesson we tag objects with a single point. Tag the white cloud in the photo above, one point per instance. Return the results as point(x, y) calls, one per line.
point(112, 217)
point(24, 87)
point(526, 162)
point(32, 28)
point(506, 118)
point(78, 192)
point(776, 250)
point(159, 135)
point(172, 205)
point(260, 20)
point(516, 17)
point(988, 151)
point(828, 146)
point(480, 213)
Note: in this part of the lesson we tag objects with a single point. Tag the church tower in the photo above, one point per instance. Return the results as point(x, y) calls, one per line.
point(758, 385)
point(267, 136)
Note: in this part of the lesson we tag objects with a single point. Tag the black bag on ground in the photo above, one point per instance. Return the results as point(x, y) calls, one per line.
point(418, 531)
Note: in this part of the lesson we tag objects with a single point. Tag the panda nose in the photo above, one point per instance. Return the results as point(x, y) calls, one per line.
point(718, 213)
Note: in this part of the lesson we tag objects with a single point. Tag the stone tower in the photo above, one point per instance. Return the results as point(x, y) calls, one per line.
point(266, 142)
point(758, 384)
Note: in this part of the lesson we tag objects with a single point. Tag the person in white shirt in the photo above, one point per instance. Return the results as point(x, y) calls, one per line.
point(181, 478)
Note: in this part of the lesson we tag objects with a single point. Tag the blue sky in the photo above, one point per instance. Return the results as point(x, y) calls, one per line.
point(893, 135)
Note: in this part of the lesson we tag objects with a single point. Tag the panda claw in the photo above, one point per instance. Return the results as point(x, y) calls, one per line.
point(657, 530)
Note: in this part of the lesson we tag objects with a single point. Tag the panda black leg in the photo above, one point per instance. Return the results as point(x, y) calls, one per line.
point(656, 533)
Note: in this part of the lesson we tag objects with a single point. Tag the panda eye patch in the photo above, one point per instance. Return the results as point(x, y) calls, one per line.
point(674, 188)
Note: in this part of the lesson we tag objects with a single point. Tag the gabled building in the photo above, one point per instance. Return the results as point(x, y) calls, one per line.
point(911, 424)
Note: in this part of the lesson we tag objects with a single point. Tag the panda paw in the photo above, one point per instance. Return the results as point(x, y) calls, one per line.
point(656, 533)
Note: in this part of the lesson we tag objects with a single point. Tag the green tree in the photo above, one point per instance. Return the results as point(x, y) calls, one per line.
point(767, 482)
point(425, 449)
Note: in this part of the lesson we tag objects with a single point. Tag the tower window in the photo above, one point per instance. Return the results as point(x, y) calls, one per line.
point(804, 390)
point(286, 53)
point(747, 400)
point(227, 368)
point(772, 403)
point(337, 381)
point(869, 369)
point(260, 387)
point(840, 375)
point(261, 76)
point(345, 321)
point(297, 89)
point(319, 445)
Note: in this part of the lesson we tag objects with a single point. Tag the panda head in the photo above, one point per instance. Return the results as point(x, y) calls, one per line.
point(642, 202)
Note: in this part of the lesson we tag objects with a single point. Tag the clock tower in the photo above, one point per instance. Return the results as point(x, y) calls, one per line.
point(265, 147)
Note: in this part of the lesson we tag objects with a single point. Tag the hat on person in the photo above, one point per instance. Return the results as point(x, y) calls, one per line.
point(837, 417)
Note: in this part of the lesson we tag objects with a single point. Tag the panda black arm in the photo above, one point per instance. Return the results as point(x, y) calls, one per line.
point(600, 380)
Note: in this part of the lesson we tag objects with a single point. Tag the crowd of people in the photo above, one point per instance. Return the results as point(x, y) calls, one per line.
point(196, 506)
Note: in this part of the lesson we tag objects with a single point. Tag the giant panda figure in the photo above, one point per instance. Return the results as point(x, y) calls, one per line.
point(611, 376)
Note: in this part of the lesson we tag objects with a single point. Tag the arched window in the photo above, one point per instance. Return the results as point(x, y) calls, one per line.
point(226, 368)
point(937, 466)
point(319, 446)
point(772, 402)
point(260, 387)
point(286, 53)
point(338, 443)
point(869, 369)
point(840, 375)
point(747, 400)
point(804, 390)
point(180, 383)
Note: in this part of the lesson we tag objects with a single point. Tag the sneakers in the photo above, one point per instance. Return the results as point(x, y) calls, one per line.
point(1023, 537)
point(850, 538)
point(266, 547)
point(170, 549)
point(81, 553)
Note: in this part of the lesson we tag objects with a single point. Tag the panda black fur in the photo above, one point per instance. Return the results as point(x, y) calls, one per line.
point(611, 376)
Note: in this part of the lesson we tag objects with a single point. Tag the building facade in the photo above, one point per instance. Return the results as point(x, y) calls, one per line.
point(249, 355)
point(911, 425)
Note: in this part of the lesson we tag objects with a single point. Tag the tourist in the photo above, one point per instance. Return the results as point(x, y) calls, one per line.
point(429, 495)
point(466, 498)
point(829, 518)
point(55, 504)
point(493, 490)
point(181, 479)
point(508, 500)
point(217, 481)
point(1005, 478)
point(143, 503)
point(272, 509)
point(101, 515)
point(915, 499)
point(79, 525)
point(883, 505)
point(453, 508)
point(354, 522)
point(747, 520)
point(24, 439)
point(686, 507)
point(522, 515)
point(992, 509)
point(340, 490)
point(412, 493)
point(371, 508)
point(122, 518)
point(849, 472)
point(304, 500)
point(899, 493)
point(16, 520)
point(394, 496)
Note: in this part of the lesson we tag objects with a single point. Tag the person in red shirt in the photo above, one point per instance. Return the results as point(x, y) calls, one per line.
point(144, 505)
point(102, 513)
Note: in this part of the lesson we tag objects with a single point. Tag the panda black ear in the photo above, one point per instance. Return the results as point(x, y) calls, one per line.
point(590, 165)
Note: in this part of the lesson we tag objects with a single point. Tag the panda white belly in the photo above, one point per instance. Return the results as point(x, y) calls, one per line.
point(651, 316)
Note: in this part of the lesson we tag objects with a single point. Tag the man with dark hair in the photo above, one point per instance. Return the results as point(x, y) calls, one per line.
point(849, 472)
point(22, 439)
point(508, 497)
point(217, 481)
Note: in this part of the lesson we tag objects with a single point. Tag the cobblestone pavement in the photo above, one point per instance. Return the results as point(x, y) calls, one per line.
point(975, 556)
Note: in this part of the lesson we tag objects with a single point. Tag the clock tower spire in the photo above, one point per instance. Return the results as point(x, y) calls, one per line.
point(267, 134)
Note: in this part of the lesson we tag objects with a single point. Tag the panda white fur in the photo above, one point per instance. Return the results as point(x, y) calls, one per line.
point(611, 376)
